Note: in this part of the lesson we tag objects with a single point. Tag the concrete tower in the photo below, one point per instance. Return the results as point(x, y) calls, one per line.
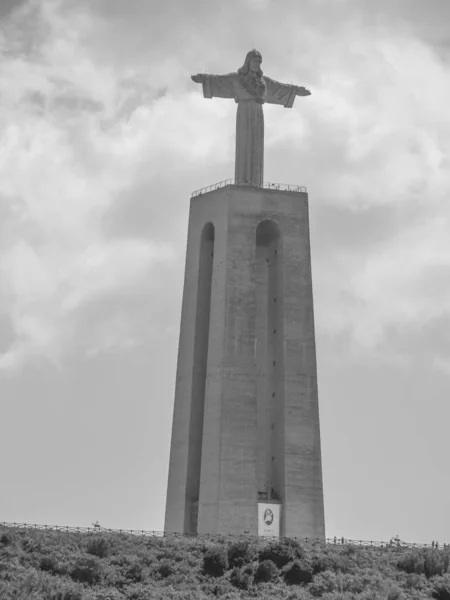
point(245, 433)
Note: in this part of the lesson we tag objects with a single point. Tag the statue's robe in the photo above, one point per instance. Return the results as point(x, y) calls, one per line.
point(250, 119)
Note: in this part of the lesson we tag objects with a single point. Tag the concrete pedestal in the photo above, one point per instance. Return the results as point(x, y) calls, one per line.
point(246, 415)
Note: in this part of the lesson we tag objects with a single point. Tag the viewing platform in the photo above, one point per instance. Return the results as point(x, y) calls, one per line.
point(284, 187)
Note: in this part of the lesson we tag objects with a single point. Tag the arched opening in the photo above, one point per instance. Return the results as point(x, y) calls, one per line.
point(202, 320)
point(269, 359)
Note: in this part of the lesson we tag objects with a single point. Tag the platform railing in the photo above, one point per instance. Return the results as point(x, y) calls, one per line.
point(394, 543)
point(284, 187)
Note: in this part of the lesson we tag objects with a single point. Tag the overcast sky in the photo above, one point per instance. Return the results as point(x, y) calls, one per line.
point(103, 137)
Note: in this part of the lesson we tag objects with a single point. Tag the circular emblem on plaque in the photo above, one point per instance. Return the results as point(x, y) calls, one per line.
point(268, 516)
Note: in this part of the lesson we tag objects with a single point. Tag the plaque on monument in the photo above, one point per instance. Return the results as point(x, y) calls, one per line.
point(269, 519)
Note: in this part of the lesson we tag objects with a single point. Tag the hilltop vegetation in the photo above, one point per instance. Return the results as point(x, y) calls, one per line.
point(40, 565)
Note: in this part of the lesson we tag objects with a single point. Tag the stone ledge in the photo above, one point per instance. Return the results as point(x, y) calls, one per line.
point(283, 187)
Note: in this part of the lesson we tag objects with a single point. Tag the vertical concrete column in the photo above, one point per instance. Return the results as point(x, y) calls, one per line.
point(188, 433)
point(208, 511)
point(238, 482)
point(254, 369)
point(176, 506)
point(303, 496)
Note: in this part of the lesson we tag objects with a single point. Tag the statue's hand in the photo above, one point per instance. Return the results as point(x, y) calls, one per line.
point(301, 91)
point(198, 78)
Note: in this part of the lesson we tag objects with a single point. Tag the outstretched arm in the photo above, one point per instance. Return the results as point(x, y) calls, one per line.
point(217, 86)
point(283, 93)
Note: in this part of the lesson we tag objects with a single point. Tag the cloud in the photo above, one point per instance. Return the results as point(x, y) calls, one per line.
point(378, 141)
point(104, 135)
point(65, 157)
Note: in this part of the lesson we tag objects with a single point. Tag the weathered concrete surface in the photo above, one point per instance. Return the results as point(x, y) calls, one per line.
point(261, 416)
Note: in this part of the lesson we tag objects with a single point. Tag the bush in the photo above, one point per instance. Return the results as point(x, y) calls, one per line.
point(346, 596)
point(323, 583)
point(134, 572)
point(281, 553)
point(338, 562)
point(297, 594)
point(213, 588)
point(30, 544)
point(241, 578)
point(435, 563)
point(165, 568)
point(323, 562)
point(266, 571)
point(415, 581)
point(412, 562)
point(298, 572)
point(345, 564)
point(441, 588)
point(370, 583)
point(215, 561)
point(49, 563)
point(296, 548)
point(98, 547)
point(70, 595)
point(6, 539)
point(395, 593)
point(87, 570)
point(239, 553)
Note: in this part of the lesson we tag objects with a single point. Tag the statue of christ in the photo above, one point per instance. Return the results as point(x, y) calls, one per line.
point(250, 90)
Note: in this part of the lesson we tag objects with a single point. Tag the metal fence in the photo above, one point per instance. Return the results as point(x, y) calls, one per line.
point(394, 543)
point(284, 187)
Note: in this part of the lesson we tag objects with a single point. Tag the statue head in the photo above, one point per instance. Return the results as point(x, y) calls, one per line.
point(252, 64)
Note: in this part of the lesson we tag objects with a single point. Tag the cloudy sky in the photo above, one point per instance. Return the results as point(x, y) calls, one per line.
point(104, 137)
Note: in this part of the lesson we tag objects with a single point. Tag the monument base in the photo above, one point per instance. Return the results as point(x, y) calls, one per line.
point(246, 416)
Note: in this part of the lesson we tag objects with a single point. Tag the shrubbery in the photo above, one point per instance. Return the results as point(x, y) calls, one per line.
point(6, 539)
point(298, 572)
point(134, 572)
point(215, 561)
point(441, 588)
point(436, 562)
point(98, 546)
point(242, 577)
point(240, 553)
point(354, 583)
point(166, 568)
point(267, 571)
point(87, 570)
point(413, 562)
point(429, 562)
point(281, 552)
point(41, 565)
point(50, 564)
